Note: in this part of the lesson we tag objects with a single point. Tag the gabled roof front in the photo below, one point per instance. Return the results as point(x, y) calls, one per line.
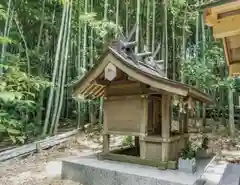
point(215, 3)
point(224, 18)
point(136, 69)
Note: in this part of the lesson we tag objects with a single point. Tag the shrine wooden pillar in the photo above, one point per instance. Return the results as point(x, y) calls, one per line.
point(143, 126)
point(185, 121)
point(106, 143)
point(166, 125)
point(186, 115)
point(182, 115)
point(106, 137)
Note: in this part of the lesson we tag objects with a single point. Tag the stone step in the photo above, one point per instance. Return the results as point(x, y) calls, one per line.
point(231, 175)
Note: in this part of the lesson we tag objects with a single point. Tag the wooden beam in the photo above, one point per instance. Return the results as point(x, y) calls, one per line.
point(234, 69)
point(115, 83)
point(88, 88)
point(226, 7)
point(91, 90)
point(235, 55)
point(210, 20)
point(153, 91)
point(229, 13)
point(125, 97)
point(158, 139)
point(226, 27)
point(133, 160)
point(96, 93)
point(101, 94)
point(209, 17)
point(234, 41)
point(203, 7)
point(226, 50)
point(113, 132)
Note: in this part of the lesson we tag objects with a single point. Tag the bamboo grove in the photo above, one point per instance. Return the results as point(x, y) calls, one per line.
point(47, 45)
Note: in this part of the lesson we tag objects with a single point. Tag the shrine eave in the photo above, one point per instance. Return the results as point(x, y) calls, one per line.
point(87, 85)
point(215, 3)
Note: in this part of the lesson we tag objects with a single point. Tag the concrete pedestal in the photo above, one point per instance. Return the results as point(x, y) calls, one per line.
point(89, 170)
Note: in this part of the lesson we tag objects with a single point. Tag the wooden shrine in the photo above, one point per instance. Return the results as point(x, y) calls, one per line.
point(224, 17)
point(137, 102)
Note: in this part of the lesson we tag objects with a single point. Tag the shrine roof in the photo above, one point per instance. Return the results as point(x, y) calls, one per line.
point(136, 69)
point(214, 3)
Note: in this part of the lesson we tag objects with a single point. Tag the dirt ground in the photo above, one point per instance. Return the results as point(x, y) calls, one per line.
point(44, 168)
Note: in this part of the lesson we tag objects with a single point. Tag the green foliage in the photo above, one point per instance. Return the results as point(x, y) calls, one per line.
point(17, 102)
point(5, 40)
point(127, 141)
point(3, 14)
point(104, 28)
point(198, 71)
point(189, 152)
point(32, 48)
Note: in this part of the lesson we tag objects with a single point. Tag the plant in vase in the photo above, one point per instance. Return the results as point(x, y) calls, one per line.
point(187, 160)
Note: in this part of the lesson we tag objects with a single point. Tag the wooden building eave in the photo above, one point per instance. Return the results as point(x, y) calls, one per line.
point(89, 87)
point(200, 96)
point(203, 7)
point(224, 18)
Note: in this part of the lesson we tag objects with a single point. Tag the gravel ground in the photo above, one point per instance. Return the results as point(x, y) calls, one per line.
point(44, 168)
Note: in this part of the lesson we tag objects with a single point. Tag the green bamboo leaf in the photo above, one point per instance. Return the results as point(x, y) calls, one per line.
point(13, 139)
point(13, 131)
point(10, 96)
point(3, 114)
point(5, 40)
point(2, 128)
point(3, 14)
point(87, 17)
point(21, 139)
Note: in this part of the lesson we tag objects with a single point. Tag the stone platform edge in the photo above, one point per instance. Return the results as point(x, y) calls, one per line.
point(91, 175)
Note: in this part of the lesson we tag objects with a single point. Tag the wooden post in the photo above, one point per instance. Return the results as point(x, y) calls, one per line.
point(181, 122)
point(136, 142)
point(185, 121)
point(185, 126)
point(106, 143)
point(166, 125)
point(181, 116)
point(143, 126)
point(106, 137)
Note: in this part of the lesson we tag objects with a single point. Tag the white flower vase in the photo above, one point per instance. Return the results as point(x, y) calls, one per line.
point(187, 165)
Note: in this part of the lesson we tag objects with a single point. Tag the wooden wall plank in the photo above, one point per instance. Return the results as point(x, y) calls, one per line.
point(226, 27)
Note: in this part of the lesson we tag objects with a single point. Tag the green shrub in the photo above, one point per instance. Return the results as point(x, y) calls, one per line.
point(127, 141)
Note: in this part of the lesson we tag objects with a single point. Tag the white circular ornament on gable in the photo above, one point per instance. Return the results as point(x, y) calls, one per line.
point(110, 72)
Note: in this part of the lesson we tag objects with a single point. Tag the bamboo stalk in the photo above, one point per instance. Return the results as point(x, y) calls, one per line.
point(51, 94)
